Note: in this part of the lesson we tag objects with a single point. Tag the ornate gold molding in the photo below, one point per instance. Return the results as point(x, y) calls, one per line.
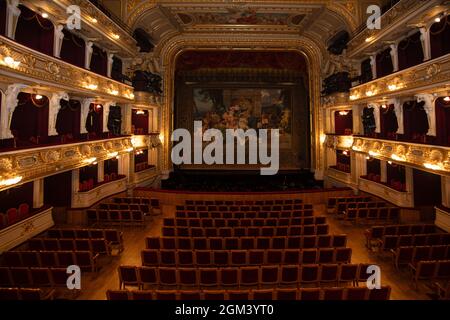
point(36, 163)
point(336, 100)
point(44, 69)
point(435, 159)
point(339, 142)
point(430, 75)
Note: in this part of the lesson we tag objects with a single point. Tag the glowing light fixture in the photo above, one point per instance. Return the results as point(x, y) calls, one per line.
point(384, 106)
point(113, 154)
point(44, 15)
point(116, 36)
point(10, 62)
point(343, 113)
point(161, 137)
point(447, 99)
point(390, 162)
point(92, 86)
point(129, 149)
point(373, 153)
point(354, 97)
point(11, 181)
point(94, 20)
point(392, 87)
point(345, 153)
point(38, 97)
point(114, 92)
point(398, 158)
point(140, 112)
point(90, 160)
point(433, 166)
point(370, 93)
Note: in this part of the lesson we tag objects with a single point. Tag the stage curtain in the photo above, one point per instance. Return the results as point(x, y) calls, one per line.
point(343, 124)
point(13, 197)
point(3, 9)
point(388, 122)
point(68, 118)
point(442, 122)
point(73, 49)
point(29, 121)
point(139, 122)
point(366, 71)
point(439, 38)
point(34, 31)
point(99, 61)
point(116, 71)
point(384, 63)
point(410, 52)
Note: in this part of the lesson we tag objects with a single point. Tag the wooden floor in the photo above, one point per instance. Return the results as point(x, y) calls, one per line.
point(94, 286)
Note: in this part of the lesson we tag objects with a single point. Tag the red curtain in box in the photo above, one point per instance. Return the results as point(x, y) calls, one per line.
point(439, 38)
point(373, 166)
point(442, 122)
point(343, 124)
point(94, 120)
point(99, 61)
point(30, 118)
point(384, 63)
point(388, 122)
point(116, 71)
point(415, 121)
point(366, 71)
point(3, 9)
point(410, 52)
point(89, 173)
point(13, 197)
point(396, 177)
point(140, 121)
point(34, 31)
point(58, 190)
point(73, 49)
point(111, 167)
point(68, 118)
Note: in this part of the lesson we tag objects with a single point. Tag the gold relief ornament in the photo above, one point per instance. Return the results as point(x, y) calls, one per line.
point(85, 150)
point(27, 227)
point(52, 156)
point(5, 165)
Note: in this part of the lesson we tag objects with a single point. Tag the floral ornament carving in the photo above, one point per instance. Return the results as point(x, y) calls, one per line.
point(5, 165)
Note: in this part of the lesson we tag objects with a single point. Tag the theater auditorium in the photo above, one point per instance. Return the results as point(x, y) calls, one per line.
point(224, 150)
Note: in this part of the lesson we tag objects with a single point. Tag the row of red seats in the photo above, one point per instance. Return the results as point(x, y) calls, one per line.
point(245, 208)
point(257, 222)
point(224, 258)
point(86, 260)
point(27, 294)
point(304, 294)
point(430, 270)
point(375, 233)
point(247, 243)
point(318, 229)
point(334, 201)
point(241, 277)
point(269, 202)
point(245, 214)
point(407, 255)
point(14, 215)
point(343, 167)
point(425, 239)
point(86, 185)
point(368, 215)
point(33, 277)
point(110, 177)
point(100, 246)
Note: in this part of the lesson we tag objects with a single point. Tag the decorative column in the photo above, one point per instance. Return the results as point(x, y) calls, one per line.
point(126, 166)
point(54, 107)
point(38, 193)
point(101, 171)
point(110, 63)
point(106, 107)
point(383, 169)
point(357, 122)
point(57, 43)
point(398, 108)
point(426, 44)
point(12, 16)
point(75, 184)
point(126, 119)
point(9, 103)
point(85, 103)
point(445, 191)
point(373, 64)
point(394, 56)
point(88, 55)
point(429, 108)
point(409, 177)
point(376, 113)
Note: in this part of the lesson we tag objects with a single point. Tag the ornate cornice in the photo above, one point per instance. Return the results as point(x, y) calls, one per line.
point(435, 159)
point(339, 142)
point(428, 76)
point(31, 164)
point(397, 18)
point(336, 100)
point(46, 70)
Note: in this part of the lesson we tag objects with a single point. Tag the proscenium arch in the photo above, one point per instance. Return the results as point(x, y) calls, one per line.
point(306, 47)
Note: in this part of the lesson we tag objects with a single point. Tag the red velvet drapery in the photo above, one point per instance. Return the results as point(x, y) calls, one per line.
point(139, 122)
point(343, 124)
point(73, 49)
point(99, 61)
point(384, 63)
point(34, 31)
point(410, 52)
point(439, 38)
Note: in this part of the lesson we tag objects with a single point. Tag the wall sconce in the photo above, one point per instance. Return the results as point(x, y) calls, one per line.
point(129, 149)
point(140, 112)
point(343, 113)
point(10, 181)
point(345, 153)
point(114, 92)
point(370, 93)
point(392, 87)
point(94, 20)
point(116, 36)
point(91, 86)
point(373, 153)
point(44, 15)
point(447, 99)
point(354, 96)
